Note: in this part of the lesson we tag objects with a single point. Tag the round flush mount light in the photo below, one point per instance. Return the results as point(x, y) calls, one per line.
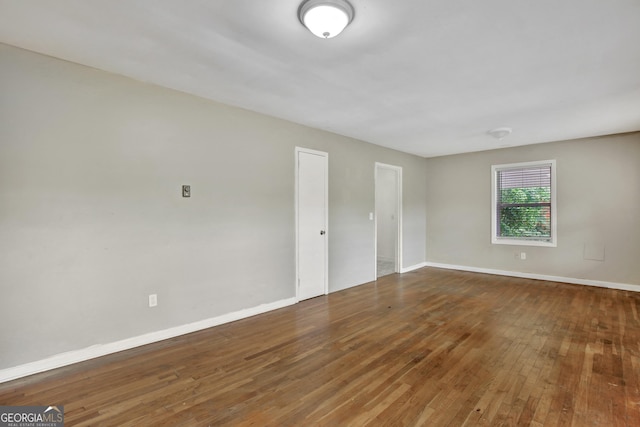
point(500, 133)
point(325, 18)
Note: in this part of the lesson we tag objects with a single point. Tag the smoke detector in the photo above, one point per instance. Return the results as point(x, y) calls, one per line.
point(500, 133)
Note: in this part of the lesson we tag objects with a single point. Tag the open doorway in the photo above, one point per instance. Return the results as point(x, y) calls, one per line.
point(388, 199)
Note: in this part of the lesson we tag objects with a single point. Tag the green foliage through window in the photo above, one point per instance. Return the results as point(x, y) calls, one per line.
point(525, 212)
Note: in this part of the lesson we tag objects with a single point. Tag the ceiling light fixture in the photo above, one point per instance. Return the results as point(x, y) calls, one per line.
point(500, 133)
point(326, 18)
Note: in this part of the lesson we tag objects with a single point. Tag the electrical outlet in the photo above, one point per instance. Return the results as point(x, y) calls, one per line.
point(153, 300)
point(523, 255)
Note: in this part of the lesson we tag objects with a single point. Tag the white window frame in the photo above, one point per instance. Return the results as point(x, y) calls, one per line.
point(495, 239)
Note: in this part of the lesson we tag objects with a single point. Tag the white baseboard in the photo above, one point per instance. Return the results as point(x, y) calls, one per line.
point(413, 267)
point(75, 356)
point(572, 280)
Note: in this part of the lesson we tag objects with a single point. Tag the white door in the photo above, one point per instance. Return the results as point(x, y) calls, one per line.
point(311, 233)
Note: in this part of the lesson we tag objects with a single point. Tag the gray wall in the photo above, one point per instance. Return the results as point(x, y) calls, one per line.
point(92, 219)
point(598, 199)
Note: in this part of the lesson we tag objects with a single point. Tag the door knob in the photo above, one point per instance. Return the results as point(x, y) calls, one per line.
point(322, 232)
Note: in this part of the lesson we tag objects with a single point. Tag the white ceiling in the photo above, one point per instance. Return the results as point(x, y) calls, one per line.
point(424, 77)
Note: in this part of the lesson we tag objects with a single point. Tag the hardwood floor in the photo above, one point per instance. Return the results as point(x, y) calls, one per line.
point(430, 347)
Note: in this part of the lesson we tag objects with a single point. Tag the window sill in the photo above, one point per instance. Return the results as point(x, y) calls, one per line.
point(517, 242)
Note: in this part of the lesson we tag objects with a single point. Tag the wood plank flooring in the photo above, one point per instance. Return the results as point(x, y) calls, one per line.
point(430, 347)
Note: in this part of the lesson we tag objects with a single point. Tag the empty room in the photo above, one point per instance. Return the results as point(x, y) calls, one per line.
point(319, 213)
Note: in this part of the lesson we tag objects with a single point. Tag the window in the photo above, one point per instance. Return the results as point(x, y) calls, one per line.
point(523, 207)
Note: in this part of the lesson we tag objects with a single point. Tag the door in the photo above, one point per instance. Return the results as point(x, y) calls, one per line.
point(311, 220)
point(388, 197)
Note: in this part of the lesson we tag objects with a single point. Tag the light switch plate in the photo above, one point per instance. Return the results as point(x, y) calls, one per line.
point(186, 191)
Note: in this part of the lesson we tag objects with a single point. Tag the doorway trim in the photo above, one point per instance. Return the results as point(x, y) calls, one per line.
point(299, 150)
point(398, 252)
